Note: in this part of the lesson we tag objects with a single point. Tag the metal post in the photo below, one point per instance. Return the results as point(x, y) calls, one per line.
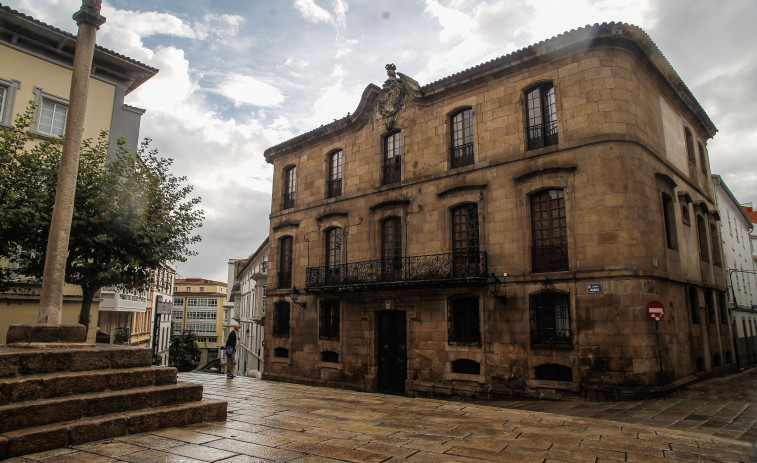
point(156, 331)
point(659, 355)
point(89, 20)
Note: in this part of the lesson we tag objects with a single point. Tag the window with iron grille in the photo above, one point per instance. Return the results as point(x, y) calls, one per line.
point(391, 249)
point(335, 173)
point(463, 321)
point(392, 158)
point(462, 138)
point(333, 254)
point(281, 319)
point(285, 262)
point(549, 233)
point(329, 356)
point(542, 116)
point(290, 185)
point(329, 320)
point(704, 252)
point(689, 139)
point(668, 217)
point(550, 318)
point(465, 240)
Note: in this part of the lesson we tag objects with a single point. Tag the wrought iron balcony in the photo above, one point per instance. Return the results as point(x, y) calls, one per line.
point(462, 155)
point(451, 269)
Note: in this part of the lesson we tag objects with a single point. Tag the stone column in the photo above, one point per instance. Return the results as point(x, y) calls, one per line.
point(89, 20)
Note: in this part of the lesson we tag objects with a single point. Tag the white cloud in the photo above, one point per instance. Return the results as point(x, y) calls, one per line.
point(313, 13)
point(222, 26)
point(242, 89)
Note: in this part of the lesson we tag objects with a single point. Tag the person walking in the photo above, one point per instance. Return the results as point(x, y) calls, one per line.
point(231, 348)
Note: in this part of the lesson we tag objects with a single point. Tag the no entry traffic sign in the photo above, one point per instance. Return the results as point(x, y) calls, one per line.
point(655, 310)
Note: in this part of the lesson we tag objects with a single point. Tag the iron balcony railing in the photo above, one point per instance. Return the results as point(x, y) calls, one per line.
point(438, 269)
point(462, 155)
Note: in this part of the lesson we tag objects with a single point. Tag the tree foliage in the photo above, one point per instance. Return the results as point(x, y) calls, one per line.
point(184, 352)
point(130, 212)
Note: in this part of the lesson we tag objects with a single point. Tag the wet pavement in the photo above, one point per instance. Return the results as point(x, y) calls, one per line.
point(276, 422)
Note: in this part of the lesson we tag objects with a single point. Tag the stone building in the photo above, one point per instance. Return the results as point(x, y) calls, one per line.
point(198, 307)
point(502, 230)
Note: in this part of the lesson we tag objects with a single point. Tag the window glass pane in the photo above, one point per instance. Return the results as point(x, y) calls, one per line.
point(3, 92)
point(52, 118)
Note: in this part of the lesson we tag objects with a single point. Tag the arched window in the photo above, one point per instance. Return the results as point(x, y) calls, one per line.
point(391, 249)
point(281, 319)
point(285, 262)
point(329, 356)
point(553, 372)
point(466, 367)
point(392, 158)
point(335, 173)
point(462, 138)
point(541, 116)
point(290, 184)
point(463, 320)
point(465, 240)
point(704, 252)
point(549, 235)
point(281, 352)
point(550, 318)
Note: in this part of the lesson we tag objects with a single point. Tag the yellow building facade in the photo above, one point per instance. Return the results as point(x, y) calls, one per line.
point(36, 66)
point(198, 307)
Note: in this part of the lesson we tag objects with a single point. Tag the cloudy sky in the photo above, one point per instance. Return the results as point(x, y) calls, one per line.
point(239, 76)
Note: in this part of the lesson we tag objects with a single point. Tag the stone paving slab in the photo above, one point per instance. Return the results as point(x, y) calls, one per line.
point(281, 422)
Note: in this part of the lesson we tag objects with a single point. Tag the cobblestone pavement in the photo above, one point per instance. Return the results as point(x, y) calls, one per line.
point(273, 422)
point(725, 407)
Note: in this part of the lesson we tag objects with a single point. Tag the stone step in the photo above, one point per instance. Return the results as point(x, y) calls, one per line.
point(30, 360)
point(57, 435)
point(40, 412)
point(51, 385)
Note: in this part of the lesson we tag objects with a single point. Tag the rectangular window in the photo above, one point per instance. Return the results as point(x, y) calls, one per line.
point(392, 158)
point(290, 185)
point(329, 320)
point(335, 174)
point(689, 139)
point(463, 323)
point(333, 255)
point(285, 262)
point(281, 319)
point(668, 217)
point(52, 118)
point(542, 116)
point(549, 231)
point(550, 318)
point(465, 240)
point(7, 96)
point(704, 251)
point(462, 138)
point(391, 249)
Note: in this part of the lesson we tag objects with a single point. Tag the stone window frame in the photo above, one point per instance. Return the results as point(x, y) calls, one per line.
point(281, 321)
point(283, 281)
point(688, 139)
point(539, 318)
point(547, 110)
point(289, 187)
point(560, 266)
point(329, 319)
point(9, 87)
point(391, 166)
point(465, 143)
point(464, 323)
point(40, 98)
point(465, 257)
point(717, 258)
point(704, 248)
point(702, 158)
point(334, 183)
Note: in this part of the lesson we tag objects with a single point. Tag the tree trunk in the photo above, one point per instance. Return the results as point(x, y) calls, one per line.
point(88, 295)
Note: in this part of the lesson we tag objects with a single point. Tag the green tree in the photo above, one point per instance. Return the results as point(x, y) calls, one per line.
point(184, 352)
point(130, 212)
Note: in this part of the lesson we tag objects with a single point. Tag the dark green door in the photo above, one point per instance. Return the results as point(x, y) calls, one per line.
point(392, 352)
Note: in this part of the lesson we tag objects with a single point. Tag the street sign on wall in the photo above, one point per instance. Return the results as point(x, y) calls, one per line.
point(594, 288)
point(655, 310)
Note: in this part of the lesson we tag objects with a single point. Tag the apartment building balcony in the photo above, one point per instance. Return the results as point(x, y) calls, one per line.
point(116, 300)
point(450, 269)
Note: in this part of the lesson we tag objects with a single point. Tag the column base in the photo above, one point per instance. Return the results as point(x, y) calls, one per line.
point(46, 333)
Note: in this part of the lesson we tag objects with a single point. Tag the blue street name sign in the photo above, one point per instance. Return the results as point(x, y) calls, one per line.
point(594, 288)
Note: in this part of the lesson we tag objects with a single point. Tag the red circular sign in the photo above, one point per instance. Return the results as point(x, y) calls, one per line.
point(655, 310)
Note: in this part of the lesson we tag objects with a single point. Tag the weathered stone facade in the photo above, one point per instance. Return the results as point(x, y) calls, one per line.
point(613, 199)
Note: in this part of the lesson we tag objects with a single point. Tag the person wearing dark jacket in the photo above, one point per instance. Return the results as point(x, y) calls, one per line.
point(231, 348)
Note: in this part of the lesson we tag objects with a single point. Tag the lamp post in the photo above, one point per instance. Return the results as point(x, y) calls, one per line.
point(294, 295)
point(89, 20)
point(492, 283)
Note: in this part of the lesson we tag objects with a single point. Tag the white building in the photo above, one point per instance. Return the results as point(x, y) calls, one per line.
point(248, 295)
point(161, 299)
point(735, 228)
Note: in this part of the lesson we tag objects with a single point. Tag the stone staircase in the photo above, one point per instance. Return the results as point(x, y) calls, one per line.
point(56, 395)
